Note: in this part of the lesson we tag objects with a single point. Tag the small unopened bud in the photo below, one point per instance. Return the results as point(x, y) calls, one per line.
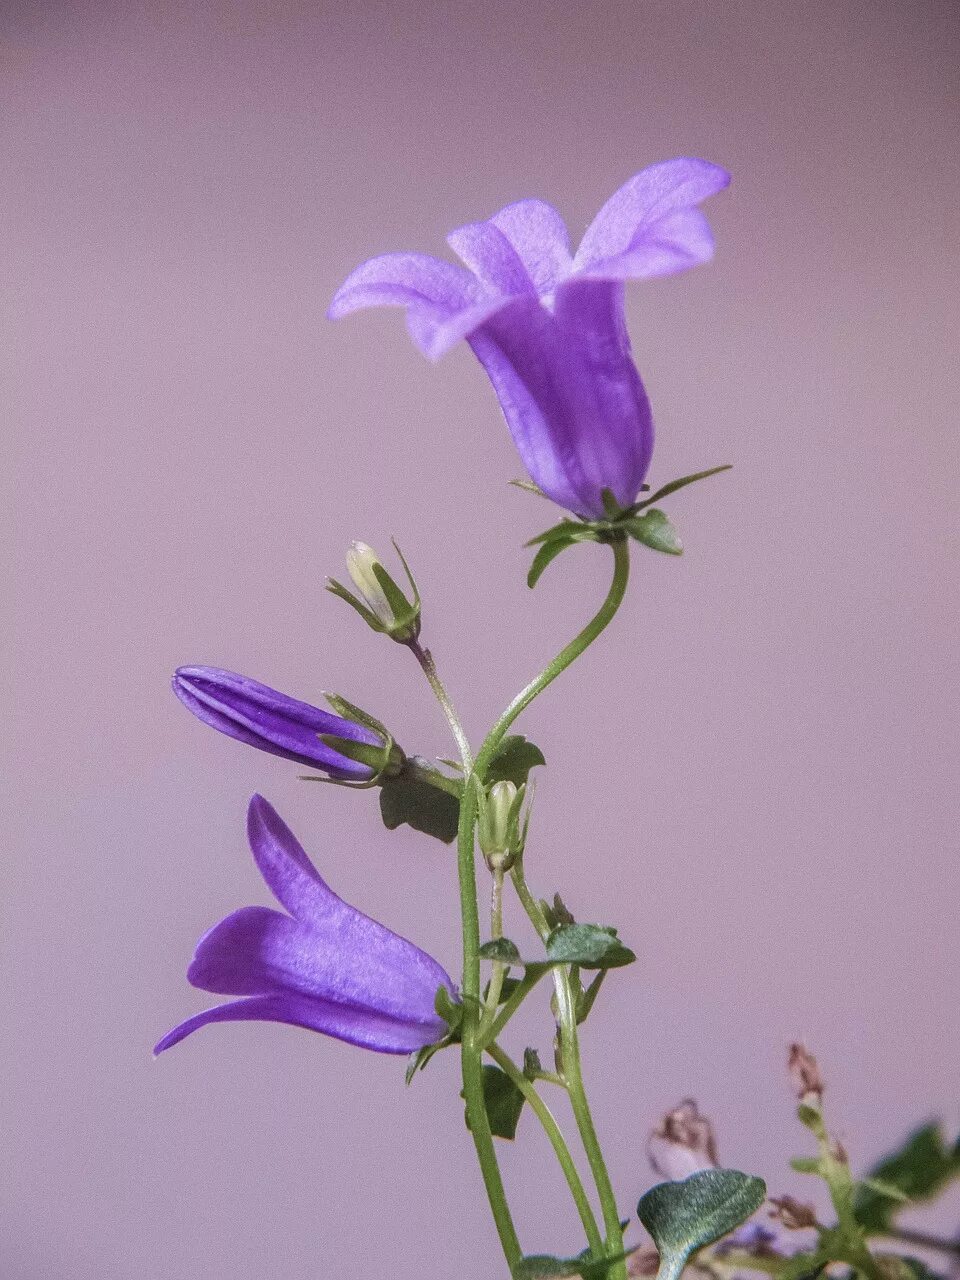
point(794, 1214)
point(500, 831)
point(805, 1074)
point(379, 601)
point(683, 1143)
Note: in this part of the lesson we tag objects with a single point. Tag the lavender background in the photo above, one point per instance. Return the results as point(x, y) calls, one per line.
point(754, 775)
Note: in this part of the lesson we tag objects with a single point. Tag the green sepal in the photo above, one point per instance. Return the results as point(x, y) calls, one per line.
point(544, 1266)
point(529, 487)
point(922, 1168)
point(586, 998)
point(405, 799)
point(378, 758)
point(654, 530)
point(513, 760)
point(674, 485)
point(591, 946)
point(545, 556)
point(683, 1217)
point(503, 1102)
point(342, 593)
point(566, 528)
point(556, 912)
point(450, 1010)
point(502, 950)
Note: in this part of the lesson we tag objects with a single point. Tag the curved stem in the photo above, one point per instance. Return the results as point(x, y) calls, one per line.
point(567, 655)
point(429, 668)
point(557, 1141)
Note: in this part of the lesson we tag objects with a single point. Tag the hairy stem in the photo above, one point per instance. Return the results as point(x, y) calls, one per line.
point(429, 668)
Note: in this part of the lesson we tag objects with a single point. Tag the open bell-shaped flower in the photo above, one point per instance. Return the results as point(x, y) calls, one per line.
point(548, 325)
point(324, 966)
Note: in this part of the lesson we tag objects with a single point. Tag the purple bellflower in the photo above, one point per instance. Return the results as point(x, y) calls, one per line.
point(261, 717)
point(325, 966)
point(548, 325)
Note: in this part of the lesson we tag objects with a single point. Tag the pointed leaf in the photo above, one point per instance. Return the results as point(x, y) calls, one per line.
point(513, 760)
point(562, 530)
point(547, 553)
point(684, 1216)
point(589, 945)
point(920, 1169)
point(428, 809)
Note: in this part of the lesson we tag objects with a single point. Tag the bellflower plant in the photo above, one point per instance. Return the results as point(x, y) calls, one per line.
point(548, 326)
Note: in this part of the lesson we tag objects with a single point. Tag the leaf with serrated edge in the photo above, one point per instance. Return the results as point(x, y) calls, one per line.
point(684, 1216)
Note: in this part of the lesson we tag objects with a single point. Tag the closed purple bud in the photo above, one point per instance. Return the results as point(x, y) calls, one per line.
point(324, 966)
point(270, 721)
point(548, 326)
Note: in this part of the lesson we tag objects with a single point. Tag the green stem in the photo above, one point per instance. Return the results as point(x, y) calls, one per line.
point(429, 668)
point(567, 655)
point(499, 969)
point(557, 1141)
point(573, 1077)
point(512, 1003)
point(414, 767)
point(471, 1048)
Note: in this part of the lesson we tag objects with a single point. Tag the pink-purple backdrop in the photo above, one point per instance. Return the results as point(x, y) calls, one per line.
point(754, 774)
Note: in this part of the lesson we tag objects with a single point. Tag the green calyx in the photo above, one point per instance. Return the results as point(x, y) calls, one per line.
point(501, 832)
point(385, 758)
point(379, 600)
point(641, 521)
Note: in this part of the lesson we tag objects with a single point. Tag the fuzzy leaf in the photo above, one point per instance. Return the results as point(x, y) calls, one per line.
point(591, 946)
point(501, 949)
point(684, 1216)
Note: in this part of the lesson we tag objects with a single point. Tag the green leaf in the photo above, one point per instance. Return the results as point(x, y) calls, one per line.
point(547, 553)
point(566, 528)
point(425, 808)
point(532, 1065)
point(654, 530)
point(682, 1217)
point(506, 991)
point(914, 1269)
point(503, 1102)
point(919, 1170)
point(682, 483)
point(513, 760)
point(544, 1266)
point(885, 1189)
point(589, 945)
point(501, 949)
point(805, 1164)
point(586, 999)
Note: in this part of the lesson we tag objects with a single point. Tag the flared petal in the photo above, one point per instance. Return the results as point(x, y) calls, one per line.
point(492, 259)
point(632, 218)
point(263, 718)
point(404, 280)
point(364, 1027)
point(286, 869)
point(675, 243)
point(540, 237)
point(570, 393)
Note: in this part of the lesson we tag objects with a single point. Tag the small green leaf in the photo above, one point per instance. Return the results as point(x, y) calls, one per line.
point(544, 1266)
point(809, 1116)
point(684, 1216)
point(503, 1101)
point(565, 528)
point(805, 1164)
point(654, 530)
point(513, 760)
point(450, 1010)
point(501, 949)
point(532, 1065)
point(920, 1169)
point(682, 483)
point(421, 806)
point(589, 945)
point(586, 999)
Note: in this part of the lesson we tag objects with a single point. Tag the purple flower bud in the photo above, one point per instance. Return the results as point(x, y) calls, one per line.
point(261, 717)
point(325, 966)
point(548, 326)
